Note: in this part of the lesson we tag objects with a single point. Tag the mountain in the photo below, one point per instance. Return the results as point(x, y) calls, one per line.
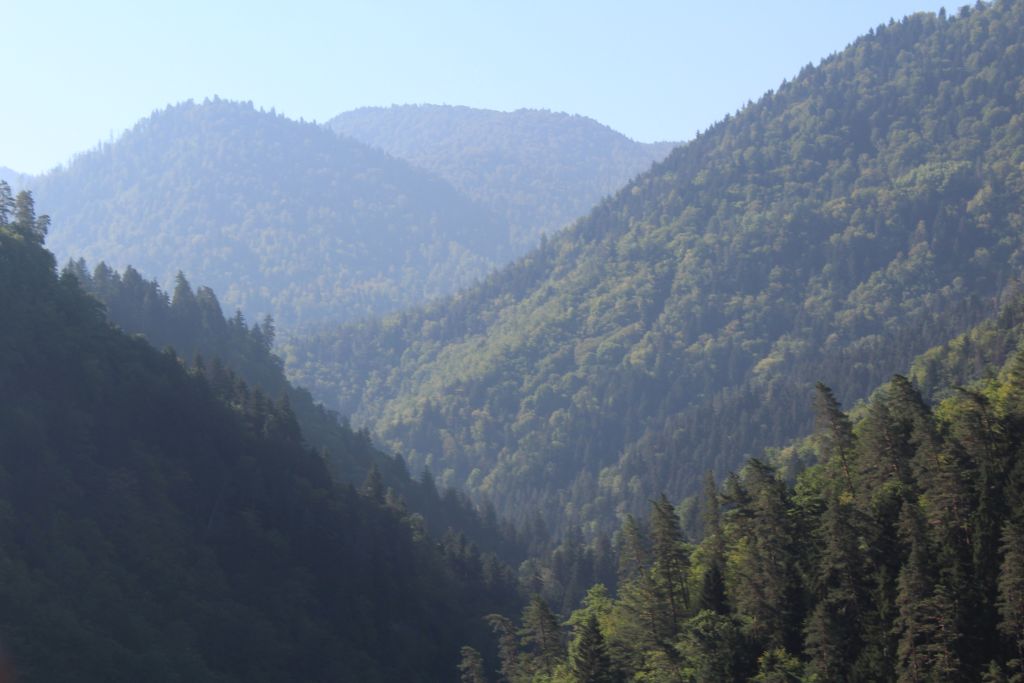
point(280, 216)
point(538, 170)
point(863, 212)
point(897, 556)
point(163, 524)
point(194, 326)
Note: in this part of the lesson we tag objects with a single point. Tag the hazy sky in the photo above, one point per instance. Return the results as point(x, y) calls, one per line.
point(78, 72)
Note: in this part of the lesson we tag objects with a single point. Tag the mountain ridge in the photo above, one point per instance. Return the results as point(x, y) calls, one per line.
point(537, 168)
point(862, 212)
point(280, 216)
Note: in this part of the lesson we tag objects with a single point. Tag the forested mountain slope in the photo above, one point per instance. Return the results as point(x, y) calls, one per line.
point(278, 216)
point(539, 170)
point(160, 524)
point(865, 211)
point(193, 324)
point(898, 556)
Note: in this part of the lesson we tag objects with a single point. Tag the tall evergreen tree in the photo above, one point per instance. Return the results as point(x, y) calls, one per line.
point(6, 203)
point(471, 667)
point(712, 589)
point(669, 571)
point(591, 663)
point(541, 633)
point(1011, 594)
point(833, 632)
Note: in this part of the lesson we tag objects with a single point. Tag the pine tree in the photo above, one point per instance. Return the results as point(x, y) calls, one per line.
point(25, 220)
point(833, 632)
point(712, 589)
point(670, 568)
point(1011, 594)
point(508, 647)
point(591, 663)
point(711, 648)
point(373, 487)
point(6, 203)
point(541, 633)
point(765, 590)
point(471, 666)
point(835, 435)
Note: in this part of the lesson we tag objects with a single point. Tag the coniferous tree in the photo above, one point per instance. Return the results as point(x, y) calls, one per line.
point(712, 588)
point(669, 572)
point(1011, 594)
point(591, 663)
point(764, 590)
point(835, 433)
point(508, 647)
point(471, 667)
point(541, 633)
point(6, 203)
point(373, 487)
point(833, 632)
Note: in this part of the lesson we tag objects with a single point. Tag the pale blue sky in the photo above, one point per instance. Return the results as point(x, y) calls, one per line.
point(77, 72)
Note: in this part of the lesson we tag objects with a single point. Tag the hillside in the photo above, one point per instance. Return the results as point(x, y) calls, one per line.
point(898, 556)
point(192, 323)
point(279, 216)
point(863, 212)
point(538, 170)
point(161, 524)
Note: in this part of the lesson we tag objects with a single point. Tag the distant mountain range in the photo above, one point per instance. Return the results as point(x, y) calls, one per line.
point(286, 218)
point(283, 217)
point(831, 231)
point(538, 170)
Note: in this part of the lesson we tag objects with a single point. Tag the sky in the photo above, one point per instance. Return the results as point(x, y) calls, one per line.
point(79, 73)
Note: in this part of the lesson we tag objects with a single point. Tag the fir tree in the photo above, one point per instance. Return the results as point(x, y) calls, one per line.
point(471, 667)
point(373, 487)
point(669, 571)
point(835, 434)
point(591, 663)
point(1011, 594)
point(540, 632)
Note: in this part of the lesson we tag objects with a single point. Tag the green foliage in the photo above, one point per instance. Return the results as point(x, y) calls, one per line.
point(538, 170)
point(864, 212)
point(279, 216)
point(471, 667)
point(827, 582)
point(229, 351)
point(591, 663)
point(165, 524)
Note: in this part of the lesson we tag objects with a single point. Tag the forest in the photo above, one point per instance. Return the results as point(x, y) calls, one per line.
point(863, 212)
point(279, 216)
point(539, 170)
point(164, 520)
point(271, 409)
point(897, 556)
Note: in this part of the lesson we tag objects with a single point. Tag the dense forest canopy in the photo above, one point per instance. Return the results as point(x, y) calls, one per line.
point(864, 211)
point(539, 170)
point(285, 217)
point(279, 216)
point(194, 326)
point(165, 523)
point(898, 556)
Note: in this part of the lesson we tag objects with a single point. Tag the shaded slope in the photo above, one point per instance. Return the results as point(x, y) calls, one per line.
point(279, 216)
point(539, 170)
point(833, 230)
point(158, 525)
point(192, 323)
